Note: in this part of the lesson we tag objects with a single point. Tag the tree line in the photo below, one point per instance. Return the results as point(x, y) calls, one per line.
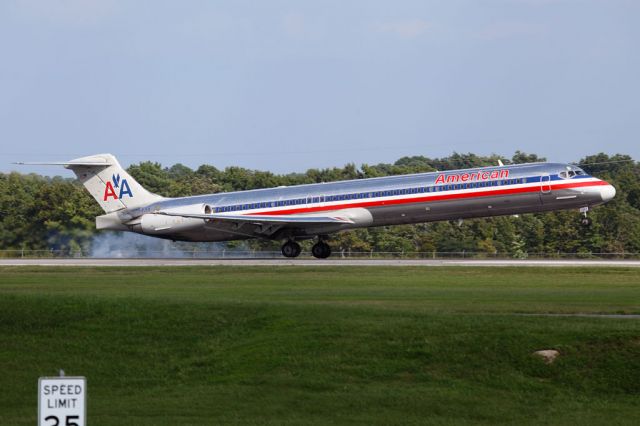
point(38, 212)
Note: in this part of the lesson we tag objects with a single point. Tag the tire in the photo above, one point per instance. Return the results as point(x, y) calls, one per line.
point(291, 249)
point(321, 250)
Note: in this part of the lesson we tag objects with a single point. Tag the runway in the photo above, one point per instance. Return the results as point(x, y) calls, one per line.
point(316, 262)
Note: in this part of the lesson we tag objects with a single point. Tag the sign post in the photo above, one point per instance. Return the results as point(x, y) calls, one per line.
point(62, 401)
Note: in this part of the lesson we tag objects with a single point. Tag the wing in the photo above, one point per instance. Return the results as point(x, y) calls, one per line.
point(261, 219)
point(265, 226)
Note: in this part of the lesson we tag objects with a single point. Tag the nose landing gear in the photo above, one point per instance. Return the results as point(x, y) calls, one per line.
point(291, 249)
point(585, 221)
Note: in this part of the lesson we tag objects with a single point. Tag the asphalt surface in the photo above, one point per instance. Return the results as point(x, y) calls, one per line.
point(314, 262)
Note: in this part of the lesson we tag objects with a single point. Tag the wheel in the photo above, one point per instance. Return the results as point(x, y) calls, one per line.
point(321, 250)
point(291, 249)
point(585, 221)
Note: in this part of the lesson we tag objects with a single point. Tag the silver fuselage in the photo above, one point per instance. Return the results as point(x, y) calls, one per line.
point(405, 199)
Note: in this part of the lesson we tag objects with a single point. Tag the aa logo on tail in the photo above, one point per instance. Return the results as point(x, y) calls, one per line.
point(117, 183)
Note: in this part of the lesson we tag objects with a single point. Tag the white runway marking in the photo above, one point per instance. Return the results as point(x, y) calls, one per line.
point(314, 262)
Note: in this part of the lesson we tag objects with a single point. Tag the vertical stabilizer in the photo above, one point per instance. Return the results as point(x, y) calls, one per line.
point(111, 186)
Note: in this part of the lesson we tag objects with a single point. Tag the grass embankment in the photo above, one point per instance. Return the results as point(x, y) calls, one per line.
point(323, 345)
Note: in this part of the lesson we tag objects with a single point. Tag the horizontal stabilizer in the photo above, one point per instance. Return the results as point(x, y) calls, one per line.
point(64, 163)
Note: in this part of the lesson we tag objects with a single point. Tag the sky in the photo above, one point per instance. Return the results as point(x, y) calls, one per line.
point(287, 85)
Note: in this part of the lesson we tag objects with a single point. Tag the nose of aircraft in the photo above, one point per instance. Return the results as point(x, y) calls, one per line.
point(607, 192)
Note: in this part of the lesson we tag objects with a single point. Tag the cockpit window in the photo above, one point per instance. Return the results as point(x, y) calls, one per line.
point(571, 172)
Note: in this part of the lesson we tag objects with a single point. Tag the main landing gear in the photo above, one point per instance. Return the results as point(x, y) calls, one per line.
point(291, 249)
point(585, 221)
point(320, 250)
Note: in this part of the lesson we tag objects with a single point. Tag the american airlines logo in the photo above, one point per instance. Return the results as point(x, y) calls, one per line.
point(472, 177)
point(116, 183)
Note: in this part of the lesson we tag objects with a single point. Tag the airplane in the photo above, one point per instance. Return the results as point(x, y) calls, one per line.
point(300, 212)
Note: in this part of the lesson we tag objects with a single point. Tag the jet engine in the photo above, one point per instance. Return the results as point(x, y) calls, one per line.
point(159, 224)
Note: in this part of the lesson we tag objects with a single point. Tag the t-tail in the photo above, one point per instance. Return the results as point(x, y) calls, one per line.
point(111, 186)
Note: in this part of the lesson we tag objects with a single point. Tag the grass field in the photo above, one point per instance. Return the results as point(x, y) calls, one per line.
point(293, 345)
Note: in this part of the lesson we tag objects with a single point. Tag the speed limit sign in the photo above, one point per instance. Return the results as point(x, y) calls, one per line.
point(62, 401)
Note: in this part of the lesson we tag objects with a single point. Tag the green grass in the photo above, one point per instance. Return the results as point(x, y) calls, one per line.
point(292, 345)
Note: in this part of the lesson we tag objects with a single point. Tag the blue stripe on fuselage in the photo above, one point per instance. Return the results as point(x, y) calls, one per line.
point(381, 193)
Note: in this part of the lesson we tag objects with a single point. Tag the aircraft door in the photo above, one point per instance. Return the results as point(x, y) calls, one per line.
point(545, 189)
point(545, 184)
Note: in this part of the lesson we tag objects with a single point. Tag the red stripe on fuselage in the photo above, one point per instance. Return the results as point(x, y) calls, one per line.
point(430, 198)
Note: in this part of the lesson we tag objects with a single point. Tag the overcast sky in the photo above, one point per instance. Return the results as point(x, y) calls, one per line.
point(289, 85)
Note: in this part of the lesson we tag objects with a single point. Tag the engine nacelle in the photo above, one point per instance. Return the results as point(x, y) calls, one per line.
point(159, 224)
